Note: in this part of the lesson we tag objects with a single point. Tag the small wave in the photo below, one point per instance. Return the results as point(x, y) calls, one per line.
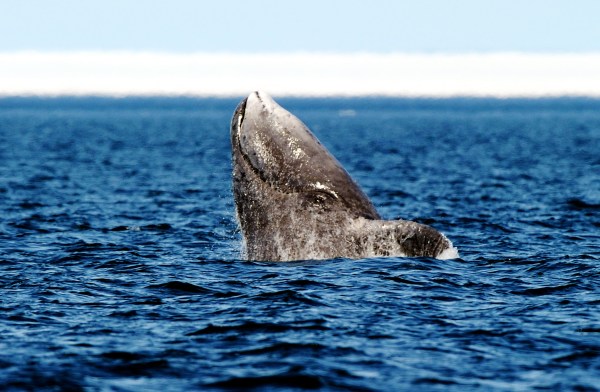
point(539, 291)
point(433, 381)
point(583, 355)
point(131, 364)
point(400, 279)
point(152, 227)
point(122, 356)
point(183, 288)
point(580, 204)
point(253, 327)
point(310, 283)
point(29, 225)
point(288, 348)
point(124, 314)
point(287, 296)
point(33, 377)
point(286, 380)
point(27, 205)
point(249, 326)
point(589, 330)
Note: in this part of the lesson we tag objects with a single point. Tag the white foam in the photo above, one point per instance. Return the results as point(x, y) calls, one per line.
point(229, 74)
point(449, 253)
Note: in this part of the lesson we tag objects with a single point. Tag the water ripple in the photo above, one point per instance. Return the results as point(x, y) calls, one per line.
point(121, 269)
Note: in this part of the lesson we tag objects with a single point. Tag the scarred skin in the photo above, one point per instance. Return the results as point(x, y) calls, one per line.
point(295, 201)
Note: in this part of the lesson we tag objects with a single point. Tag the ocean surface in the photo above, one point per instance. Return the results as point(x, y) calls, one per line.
point(120, 263)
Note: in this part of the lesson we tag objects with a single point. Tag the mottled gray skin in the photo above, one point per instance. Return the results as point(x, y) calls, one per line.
point(295, 201)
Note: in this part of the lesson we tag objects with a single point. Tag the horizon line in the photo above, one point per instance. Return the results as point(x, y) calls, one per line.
point(110, 96)
point(306, 51)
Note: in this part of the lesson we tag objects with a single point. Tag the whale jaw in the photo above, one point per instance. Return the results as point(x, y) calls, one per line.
point(295, 201)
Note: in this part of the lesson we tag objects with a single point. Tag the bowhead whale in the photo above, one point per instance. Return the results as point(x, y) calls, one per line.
point(295, 201)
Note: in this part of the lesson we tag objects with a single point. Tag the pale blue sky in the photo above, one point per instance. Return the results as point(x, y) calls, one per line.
point(451, 26)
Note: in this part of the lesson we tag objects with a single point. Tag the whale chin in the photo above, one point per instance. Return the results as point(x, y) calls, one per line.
point(295, 201)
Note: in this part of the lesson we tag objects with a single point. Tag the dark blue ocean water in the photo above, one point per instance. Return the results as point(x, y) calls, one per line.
point(120, 260)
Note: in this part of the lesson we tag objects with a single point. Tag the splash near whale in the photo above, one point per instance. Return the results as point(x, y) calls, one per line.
point(295, 201)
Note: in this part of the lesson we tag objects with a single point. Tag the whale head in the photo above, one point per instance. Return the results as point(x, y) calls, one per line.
point(278, 150)
point(294, 200)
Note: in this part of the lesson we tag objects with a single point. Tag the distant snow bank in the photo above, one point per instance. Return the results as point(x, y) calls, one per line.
point(312, 74)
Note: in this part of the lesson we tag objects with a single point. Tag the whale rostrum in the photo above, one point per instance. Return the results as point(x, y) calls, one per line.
point(295, 201)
